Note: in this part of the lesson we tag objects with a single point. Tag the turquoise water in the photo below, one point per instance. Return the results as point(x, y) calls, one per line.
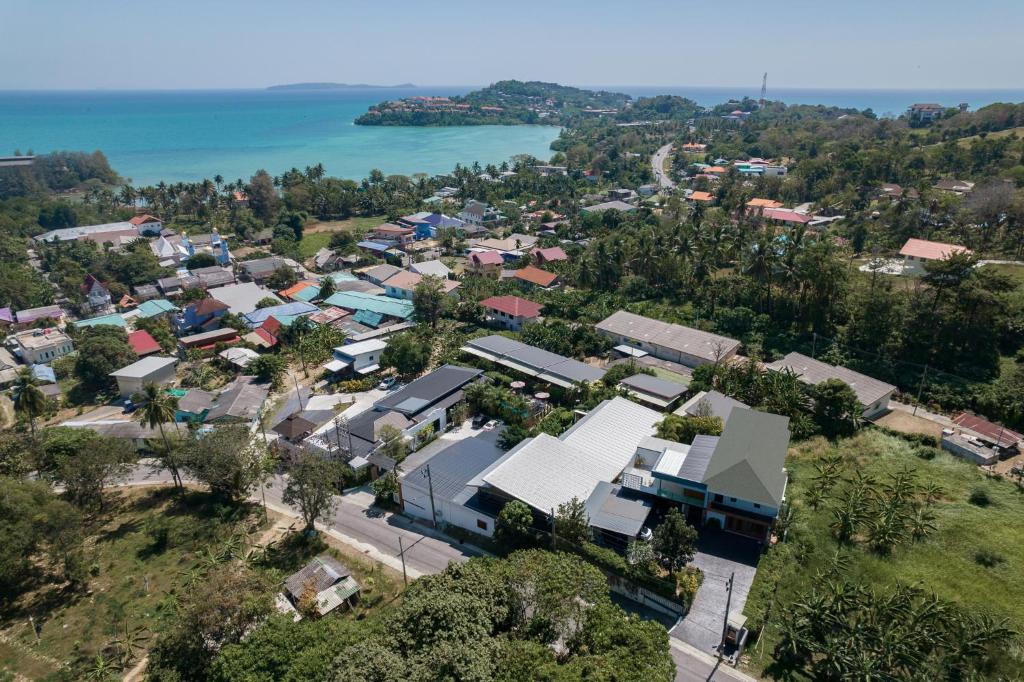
point(188, 136)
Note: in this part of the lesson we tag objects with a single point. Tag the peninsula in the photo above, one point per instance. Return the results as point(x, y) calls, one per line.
point(509, 102)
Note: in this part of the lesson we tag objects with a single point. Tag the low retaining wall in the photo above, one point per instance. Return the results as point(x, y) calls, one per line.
point(644, 597)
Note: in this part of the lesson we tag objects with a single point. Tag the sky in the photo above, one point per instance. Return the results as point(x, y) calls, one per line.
point(184, 44)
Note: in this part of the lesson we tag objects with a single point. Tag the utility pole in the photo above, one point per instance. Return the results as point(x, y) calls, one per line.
point(554, 542)
point(725, 622)
point(298, 393)
point(401, 552)
point(430, 485)
point(920, 389)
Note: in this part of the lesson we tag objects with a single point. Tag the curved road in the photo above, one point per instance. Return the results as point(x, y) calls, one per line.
point(658, 166)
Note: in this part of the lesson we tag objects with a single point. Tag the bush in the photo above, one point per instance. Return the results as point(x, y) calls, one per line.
point(979, 498)
point(925, 452)
point(988, 558)
point(688, 581)
point(357, 385)
point(915, 438)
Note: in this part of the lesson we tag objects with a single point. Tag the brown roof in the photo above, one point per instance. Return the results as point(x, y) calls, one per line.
point(995, 433)
point(143, 219)
point(208, 306)
point(512, 305)
point(764, 203)
point(487, 257)
point(541, 278)
point(702, 196)
point(922, 248)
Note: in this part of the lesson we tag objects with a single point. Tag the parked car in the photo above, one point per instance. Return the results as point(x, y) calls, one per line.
point(478, 421)
point(129, 406)
point(386, 383)
point(491, 425)
point(645, 534)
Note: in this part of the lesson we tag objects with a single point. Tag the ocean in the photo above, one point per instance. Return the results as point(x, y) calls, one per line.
point(182, 136)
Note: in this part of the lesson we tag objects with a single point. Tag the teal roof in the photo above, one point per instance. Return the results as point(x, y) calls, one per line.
point(368, 317)
point(307, 294)
point(157, 306)
point(357, 300)
point(114, 320)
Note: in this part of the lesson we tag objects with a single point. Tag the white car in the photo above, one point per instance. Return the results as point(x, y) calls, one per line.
point(491, 425)
point(386, 383)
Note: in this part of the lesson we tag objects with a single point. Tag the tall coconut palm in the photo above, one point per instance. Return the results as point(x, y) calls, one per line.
point(159, 409)
point(28, 399)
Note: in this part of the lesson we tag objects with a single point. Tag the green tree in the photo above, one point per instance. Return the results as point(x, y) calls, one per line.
point(282, 278)
point(674, 542)
point(263, 199)
point(571, 521)
point(430, 301)
point(312, 484)
point(836, 408)
point(683, 429)
point(29, 401)
point(327, 288)
point(406, 353)
point(160, 408)
point(385, 487)
point(393, 443)
point(200, 260)
point(229, 460)
point(101, 350)
point(513, 525)
point(35, 524)
point(267, 302)
point(93, 463)
point(268, 368)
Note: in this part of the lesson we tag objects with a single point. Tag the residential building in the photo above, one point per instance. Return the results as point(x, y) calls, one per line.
point(214, 276)
point(485, 263)
point(546, 170)
point(38, 346)
point(262, 269)
point(327, 260)
point(786, 216)
point(955, 186)
point(480, 214)
point(97, 296)
point(512, 247)
point(693, 148)
point(710, 404)
point(616, 515)
point(609, 206)
point(103, 232)
point(510, 312)
point(152, 370)
point(531, 276)
point(703, 197)
point(383, 308)
point(389, 232)
point(647, 190)
point(659, 393)
point(329, 581)
point(552, 254)
point(433, 268)
point(917, 252)
point(242, 298)
point(203, 315)
point(362, 357)
point(757, 204)
point(238, 357)
point(156, 307)
point(532, 361)
point(872, 394)
point(621, 194)
point(207, 340)
point(666, 340)
point(240, 402)
point(145, 292)
point(46, 312)
point(175, 284)
point(143, 343)
point(148, 225)
point(285, 313)
point(403, 285)
point(294, 428)
point(194, 406)
point(378, 274)
point(925, 113)
point(980, 441)
point(111, 320)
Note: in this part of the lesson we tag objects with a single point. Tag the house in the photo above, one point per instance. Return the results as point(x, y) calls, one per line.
point(647, 190)
point(532, 276)
point(426, 224)
point(202, 315)
point(917, 252)
point(710, 404)
point(450, 495)
point(207, 340)
point(757, 204)
point(553, 254)
point(609, 206)
point(111, 320)
point(175, 284)
point(242, 298)
point(384, 306)
point(485, 263)
point(480, 214)
point(389, 232)
point(532, 361)
point(138, 434)
point(403, 285)
point(147, 225)
point(284, 313)
point(240, 402)
point(980, 441)
point(213, 276)
point(703, 197)
point(378, 274)
point(6, 318)
point(145, 292)
point(326, 260)
point(238, 357)
point(106, 232)
point(616, 515)
point(324, 582)
point(872, 394)
point(510, 312)
point(46, 312)
point(995, 435)
point(955, 186)
point(659, 393)
point(621, 194)
point(925, 113)
point(97, 296)
point(693, 148)
point(152, 370)
point(786, 216)
point(306, 291)
point(362, 357)
point(37, 346)
point(433, 268)
point(547, 171)
point(194, 406)
point(262, 269)
point(294, 428)
point(511, 247)
point(143, 343)
point(666, 340)
point(895, 192)
point(154, 308)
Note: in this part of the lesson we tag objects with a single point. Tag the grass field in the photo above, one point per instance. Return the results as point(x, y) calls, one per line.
point(318, 235)
point(943, 563)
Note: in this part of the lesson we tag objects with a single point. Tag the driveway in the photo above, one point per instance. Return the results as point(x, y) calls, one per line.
point(461, 432)
point(719, 555)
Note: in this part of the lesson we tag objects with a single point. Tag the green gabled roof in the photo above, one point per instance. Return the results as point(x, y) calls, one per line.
point(355, 300)
point(156, 306)
point(113, 320)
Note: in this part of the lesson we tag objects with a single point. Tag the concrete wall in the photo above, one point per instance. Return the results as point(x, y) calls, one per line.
point(416, 498)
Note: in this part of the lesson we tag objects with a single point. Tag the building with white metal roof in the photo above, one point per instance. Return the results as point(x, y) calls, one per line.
point(873, 395)
point(666, 340)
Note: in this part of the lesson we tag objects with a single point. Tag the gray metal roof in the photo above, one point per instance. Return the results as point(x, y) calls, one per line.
point(814, 372)
point(695, 342)
point(717, 404)
point(662, 388)
point(609, 508)
point(453, 468)
point(144, 367)
point(241, 400)
point(749, 458)
point(321, 573)
point(533, 361)
point(428, 389)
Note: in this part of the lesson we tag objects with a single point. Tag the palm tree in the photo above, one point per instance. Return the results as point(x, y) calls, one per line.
point(28, 399)
point(160, 408)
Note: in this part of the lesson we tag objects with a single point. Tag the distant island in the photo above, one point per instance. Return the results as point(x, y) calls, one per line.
point(337, 86)
point(507, 102)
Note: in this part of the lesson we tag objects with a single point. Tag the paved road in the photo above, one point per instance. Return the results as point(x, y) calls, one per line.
point(658, 165)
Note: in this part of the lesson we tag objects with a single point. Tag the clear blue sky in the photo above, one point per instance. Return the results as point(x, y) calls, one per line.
point(225, 43)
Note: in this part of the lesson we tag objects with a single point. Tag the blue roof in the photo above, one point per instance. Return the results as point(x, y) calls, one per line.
point(114, 320)
point(156, 306)
point(44, 373)
point(374, 246)
point(307, 294)
point(295, 308)
point(368, 317)
point(357, 300)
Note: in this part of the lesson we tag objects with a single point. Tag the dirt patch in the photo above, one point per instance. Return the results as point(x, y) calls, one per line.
point(904, 422)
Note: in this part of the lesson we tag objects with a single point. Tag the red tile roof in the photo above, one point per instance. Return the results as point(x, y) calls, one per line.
point(267, 337)
point(486, 257)
point(512, 305)
point(272, 325)
point(786, 215)
point(143, 343)
point(551, 254)
point(143, 219)
point(541, 278)
point(922, 248)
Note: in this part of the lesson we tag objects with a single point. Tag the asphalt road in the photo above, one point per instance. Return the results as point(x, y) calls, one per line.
point(658, 166)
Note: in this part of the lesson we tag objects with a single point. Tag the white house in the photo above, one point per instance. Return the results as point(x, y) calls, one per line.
point(362, 357)
point(872, 394)
point(151, 370)
point(917, 252)
point(36, 346)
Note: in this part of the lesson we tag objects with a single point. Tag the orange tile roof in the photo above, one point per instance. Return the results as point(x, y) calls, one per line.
point(714, 169)
point(296, 288)
point(533, 275)
point(764, 203)
point(922, 248)
point(702, 196)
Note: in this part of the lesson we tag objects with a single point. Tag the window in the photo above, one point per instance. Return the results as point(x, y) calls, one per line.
point(732, 499)
point(481, 524)
point(718, 498)
point(757, 506)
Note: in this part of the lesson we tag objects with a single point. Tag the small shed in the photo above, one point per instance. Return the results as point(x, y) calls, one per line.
point(327, 578)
